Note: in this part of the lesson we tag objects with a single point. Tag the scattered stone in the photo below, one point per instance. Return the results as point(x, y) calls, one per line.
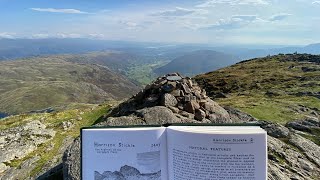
point(176, 93)
point(186, 89)
point(213, 118)
point(200, 115)
point(66, 125)
point(187, 98)
point(180, 106)
point(189, 82)
point(189, 107)
point(174, 109)
point(168, 87)
point(168, 100)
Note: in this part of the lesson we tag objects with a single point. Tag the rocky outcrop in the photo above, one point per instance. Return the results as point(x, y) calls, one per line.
point(71, 161)
point(18, 142)
point(293, 152)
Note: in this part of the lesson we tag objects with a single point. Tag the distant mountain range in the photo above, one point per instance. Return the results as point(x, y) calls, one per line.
point(197, 62)
point(20, 48)
point(253, 53)
point(39, 83)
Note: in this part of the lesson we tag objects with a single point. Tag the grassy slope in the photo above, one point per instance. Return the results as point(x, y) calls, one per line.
point(80, 117)
point(38, 83)
point(268, 88)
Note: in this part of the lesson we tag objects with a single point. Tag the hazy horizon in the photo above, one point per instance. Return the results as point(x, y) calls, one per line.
point(214, 22)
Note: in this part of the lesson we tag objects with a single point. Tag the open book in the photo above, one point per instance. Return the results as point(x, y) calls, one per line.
point(174, 153)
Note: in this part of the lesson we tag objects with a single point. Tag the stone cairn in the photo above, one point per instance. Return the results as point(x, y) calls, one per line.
point(182, 96)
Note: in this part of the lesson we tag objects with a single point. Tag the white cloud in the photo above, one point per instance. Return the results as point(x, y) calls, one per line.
point(245, 17)
point(316, 2)
point(212, 3)
point(7, 35)
point(130, 25)
point(53, 10)
point(64, 35)
point(178, 11)
point(279, 17)
point(40, 36)
point(252, 2)
point(235, 22)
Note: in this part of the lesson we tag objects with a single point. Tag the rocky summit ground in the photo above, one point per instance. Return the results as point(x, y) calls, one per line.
point(32, 145)
point(293, 149)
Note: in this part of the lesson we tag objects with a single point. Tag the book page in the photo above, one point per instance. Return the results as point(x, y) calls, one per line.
point(225, 154)
point(124, 153)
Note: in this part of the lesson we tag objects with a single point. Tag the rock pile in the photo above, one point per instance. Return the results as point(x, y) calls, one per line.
point(182, 96)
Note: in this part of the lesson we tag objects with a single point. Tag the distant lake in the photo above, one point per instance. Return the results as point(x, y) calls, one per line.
point(3, 115)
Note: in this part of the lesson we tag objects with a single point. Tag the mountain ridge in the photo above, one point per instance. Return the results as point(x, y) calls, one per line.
point(197, 62)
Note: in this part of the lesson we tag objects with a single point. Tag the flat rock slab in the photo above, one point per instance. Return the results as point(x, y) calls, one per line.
point(174, 78)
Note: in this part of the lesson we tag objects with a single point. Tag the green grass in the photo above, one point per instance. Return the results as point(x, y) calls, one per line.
point(281, 109)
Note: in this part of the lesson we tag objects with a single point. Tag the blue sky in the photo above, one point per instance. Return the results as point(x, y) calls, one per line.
point(224, 22)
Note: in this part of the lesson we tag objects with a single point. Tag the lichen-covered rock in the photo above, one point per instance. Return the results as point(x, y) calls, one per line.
point(305, 125)
point(286, 162)
point(157, 115)
point(22, 171)
point(276, 130)
point(309, 148)
point(122, 121)
point(18, 142)
point(168, 100)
